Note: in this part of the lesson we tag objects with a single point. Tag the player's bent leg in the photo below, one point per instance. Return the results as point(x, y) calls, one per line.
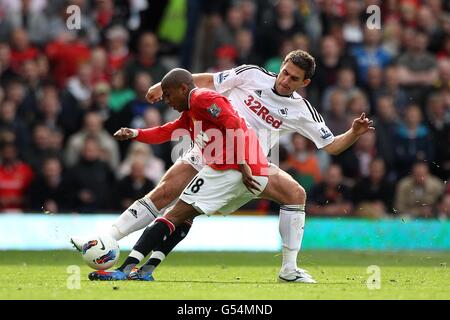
point(143, 211)
point(283, 189)
point(153, 236)
point(159, 231)
point(160, 252)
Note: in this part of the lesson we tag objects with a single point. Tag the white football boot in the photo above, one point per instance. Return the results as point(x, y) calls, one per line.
point(297, 275)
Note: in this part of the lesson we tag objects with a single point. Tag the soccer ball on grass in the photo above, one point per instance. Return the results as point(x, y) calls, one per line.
point(101, 252)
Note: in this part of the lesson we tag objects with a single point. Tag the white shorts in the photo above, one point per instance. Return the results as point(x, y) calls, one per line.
point(194, 157)
point(212, 191)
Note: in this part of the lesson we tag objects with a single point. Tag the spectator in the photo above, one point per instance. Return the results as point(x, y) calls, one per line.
point(337, 117)
point(33, 83)
point(100, 104)
point(274, 63)
point(21, 49)
point(135, 185)
point(417, 194)
point(386, 124)
point(100, 68)
point(49, 191)
point(41, 147)
point(417, 67)
point(30, 19)
point(90, 179)
point(374, 84)
point(345, 83)
point(224, 35)
point(146, 60)
point(225, 58)
point(66, 53)
point(443, 209)
point(121, 94)
point(93, 128)
point(80, 86)
point(391, 86)
point(132, 114)
point(371, 53)
point(6, 71)
point(245, 47)
point(373, 195)
point(153, 166)
point(284, 23)
point(117, 44)
point(431, 26)
point(357, 104)
point(304, 161)
point(352, 28)
point(330, 61)
point(365, 152)
point(438, 120)
point(15, 178)
point(10, 121)
point(152, 118)
point(331, 197)
point(412, 141)
point(56, 115)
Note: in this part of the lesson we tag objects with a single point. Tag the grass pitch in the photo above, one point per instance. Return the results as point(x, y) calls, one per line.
point(340, 275)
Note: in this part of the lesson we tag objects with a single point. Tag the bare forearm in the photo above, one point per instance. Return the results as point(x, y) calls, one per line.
point(204, 80)
point(342, 142)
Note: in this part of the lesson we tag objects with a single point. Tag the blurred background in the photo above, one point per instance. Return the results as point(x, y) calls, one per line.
point(63, 93)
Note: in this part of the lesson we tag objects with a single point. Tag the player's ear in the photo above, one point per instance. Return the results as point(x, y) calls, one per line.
point(184, 88)
point(306, 82)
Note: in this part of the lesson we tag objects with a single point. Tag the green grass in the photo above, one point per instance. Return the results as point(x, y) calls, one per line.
point(340, 275)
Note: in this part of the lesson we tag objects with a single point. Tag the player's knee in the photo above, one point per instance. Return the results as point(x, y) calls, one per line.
point(297, 195)
point(162, 195)
point(176, 220)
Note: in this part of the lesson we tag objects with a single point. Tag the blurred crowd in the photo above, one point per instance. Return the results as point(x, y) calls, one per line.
point(63, 93)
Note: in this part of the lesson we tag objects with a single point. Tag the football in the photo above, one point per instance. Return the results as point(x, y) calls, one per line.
point(100, 252)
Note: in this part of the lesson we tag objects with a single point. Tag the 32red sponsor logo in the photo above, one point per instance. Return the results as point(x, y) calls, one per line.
point(262, 111)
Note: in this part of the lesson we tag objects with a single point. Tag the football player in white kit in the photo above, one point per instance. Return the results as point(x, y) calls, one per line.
point(272, 107)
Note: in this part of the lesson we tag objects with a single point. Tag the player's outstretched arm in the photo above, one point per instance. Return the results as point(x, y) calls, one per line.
point(125, 133)
point(201, 80)
point(342, 142)
point(156, 135)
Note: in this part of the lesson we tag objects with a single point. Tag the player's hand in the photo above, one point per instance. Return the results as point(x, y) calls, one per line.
point(361, 125)
point(247, 178)
point(154, 94)
point(125, 134)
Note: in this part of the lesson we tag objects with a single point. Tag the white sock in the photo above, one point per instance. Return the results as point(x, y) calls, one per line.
point(292, 222)
point(137, 216)
point(137, 255)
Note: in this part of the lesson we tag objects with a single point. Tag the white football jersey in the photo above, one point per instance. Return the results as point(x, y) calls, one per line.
point(250, 90)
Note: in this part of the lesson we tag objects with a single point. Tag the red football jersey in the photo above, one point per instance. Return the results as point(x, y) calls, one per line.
point(216, 127)
point(14, 182)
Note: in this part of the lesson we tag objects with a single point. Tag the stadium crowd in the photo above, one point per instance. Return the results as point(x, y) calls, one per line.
point(63, 93)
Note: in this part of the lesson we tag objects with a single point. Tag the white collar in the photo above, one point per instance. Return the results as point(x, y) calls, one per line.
point(189, 98)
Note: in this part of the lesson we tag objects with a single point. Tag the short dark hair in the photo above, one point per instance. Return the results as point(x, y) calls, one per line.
point(303, 60)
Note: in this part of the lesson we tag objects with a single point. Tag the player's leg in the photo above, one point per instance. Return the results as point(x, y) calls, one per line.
point(143, 211)
point(160, 252)
point(153, 236)
point(209, 192)
point(282, 188)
